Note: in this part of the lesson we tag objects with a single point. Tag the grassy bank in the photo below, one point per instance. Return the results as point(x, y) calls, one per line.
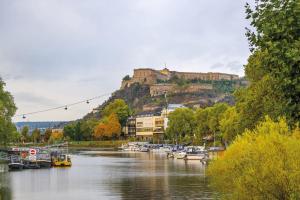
point(97, 144)
point(78, 144)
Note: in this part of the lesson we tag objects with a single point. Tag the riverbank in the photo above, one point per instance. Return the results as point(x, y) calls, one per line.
point(97, 144)
point(80, 144)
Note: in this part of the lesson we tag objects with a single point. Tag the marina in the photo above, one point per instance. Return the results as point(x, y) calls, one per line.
point(35, 157)
point(102, 174)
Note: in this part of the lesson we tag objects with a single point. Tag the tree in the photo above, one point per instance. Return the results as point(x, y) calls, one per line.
point(119, 107)
point(126, 78)
point(259, 99)
point(181, 123)
point(274, 40)
point(24, 133)
point(87, 128)
point(99, 131)
point(202, 117)
point(108, 128)
point(113, 126)
point(215, 113)
point(36, 135)
point(47, 134)
point(56, 136)
point(229, 124)
point(69, 131)
point(7, 110)
point(78, 132)
point(260, 164)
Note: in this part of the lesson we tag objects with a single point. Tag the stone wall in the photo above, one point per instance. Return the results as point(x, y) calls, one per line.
point(160, 89)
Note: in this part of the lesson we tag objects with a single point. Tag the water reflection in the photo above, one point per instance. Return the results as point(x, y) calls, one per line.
point(5, 191)
point(112, 175)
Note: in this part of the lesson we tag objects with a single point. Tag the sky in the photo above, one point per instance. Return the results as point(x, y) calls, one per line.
point(56, 52)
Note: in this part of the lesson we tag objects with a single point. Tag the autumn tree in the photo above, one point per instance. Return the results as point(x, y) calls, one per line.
point(108, 128)
point(100, 131)
point(113, 126)
point(260, 164)
point(56, 136)
point(119, 107)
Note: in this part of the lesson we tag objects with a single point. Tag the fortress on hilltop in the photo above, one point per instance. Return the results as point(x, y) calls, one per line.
point(158, 80)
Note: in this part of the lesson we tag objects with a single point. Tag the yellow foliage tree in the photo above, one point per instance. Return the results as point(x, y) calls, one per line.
point(260, 164)
point(108, 128)
point(56, 135)
point(113, 126)
point(100, 130)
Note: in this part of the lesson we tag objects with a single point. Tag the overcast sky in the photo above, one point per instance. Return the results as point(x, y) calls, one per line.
point(55, 52)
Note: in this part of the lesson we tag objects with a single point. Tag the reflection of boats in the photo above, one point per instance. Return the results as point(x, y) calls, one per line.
point(179, 155)
point(195, 156)
point(62, 160)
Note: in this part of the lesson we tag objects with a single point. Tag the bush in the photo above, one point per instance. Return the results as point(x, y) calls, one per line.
point(260, 164)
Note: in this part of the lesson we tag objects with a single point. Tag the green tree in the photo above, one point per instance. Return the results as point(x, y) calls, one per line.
point(7, 110)
point(260, 164)
point(69, 131)
point(202, 117)
point(181, 123)
point(229, 124)
point(24, 133)
point(274, 39)
point(258, 100)
point(87, 128)
point(36, 135)
point(215, 113)
point(126, 78)
point(78, 136)
point(119, 107)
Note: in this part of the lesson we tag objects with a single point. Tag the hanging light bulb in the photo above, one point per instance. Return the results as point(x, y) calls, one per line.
point(87, 101)
point(66, 108)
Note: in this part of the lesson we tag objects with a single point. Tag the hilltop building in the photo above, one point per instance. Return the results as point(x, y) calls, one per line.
point(151, 76)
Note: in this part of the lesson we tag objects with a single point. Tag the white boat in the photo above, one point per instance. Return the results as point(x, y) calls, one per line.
point(179, 155)
point(144, 149)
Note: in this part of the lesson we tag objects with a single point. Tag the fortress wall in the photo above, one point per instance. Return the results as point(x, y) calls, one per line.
point(150, 76)
point(161, 89)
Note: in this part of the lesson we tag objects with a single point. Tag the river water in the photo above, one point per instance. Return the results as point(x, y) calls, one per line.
point(110, 175)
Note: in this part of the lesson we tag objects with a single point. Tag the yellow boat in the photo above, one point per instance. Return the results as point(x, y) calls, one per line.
point(62, 160)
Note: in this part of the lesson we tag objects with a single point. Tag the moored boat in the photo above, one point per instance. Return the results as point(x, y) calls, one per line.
point(180, 155)
point(15, 163)
point(62, 160)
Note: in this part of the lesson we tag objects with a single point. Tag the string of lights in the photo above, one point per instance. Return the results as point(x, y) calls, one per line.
point(66, 106)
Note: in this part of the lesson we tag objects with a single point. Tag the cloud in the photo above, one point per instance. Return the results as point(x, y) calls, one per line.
point(73, 49)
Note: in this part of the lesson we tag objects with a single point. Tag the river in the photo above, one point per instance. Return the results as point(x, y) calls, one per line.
point(109, 175)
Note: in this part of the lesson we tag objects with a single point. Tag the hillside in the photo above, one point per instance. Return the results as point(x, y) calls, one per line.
point(139, 99)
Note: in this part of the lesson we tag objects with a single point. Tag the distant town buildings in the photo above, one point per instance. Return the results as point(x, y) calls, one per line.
point(149, 126)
